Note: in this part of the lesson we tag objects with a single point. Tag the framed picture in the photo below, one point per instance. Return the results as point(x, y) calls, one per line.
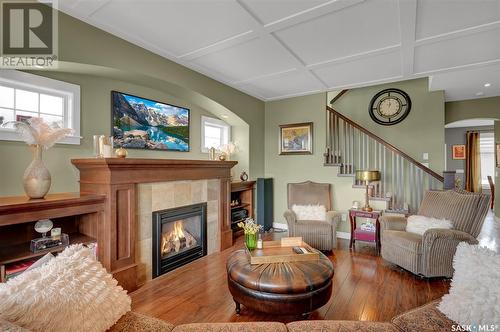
point(497, 154)
point(296, 138)
point(458, 151)
point(140, 123)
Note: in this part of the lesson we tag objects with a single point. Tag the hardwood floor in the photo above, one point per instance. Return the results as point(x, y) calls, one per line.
point(365, 288)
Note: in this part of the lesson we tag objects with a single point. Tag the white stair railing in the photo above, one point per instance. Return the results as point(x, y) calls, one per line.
point(403, 181)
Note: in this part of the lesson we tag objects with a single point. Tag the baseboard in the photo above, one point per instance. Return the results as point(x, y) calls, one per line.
point(343, 235)
point(340, 235)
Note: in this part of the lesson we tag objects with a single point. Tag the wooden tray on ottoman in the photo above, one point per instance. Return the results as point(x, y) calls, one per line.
point(282, 251)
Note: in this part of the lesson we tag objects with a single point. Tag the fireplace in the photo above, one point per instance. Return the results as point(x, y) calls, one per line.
point(179, 237)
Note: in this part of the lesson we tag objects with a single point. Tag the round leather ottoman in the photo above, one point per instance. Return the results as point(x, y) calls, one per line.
point(279, 288)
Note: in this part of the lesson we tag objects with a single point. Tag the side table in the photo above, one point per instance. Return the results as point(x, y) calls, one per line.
point(361, 235)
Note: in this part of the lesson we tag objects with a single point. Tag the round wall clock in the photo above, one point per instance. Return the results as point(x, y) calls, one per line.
point(389, 106)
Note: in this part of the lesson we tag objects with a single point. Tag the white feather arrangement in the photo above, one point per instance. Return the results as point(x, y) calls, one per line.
point(35, 131)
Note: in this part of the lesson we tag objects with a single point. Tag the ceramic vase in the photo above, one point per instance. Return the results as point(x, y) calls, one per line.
point(36, 179)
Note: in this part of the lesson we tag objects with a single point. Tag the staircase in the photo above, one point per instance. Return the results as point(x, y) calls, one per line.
point(351, 147)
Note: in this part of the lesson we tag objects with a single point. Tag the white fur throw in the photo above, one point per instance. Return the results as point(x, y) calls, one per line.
point(419, 224)
point(474, 296)
point(309, 212)
point(72, 292)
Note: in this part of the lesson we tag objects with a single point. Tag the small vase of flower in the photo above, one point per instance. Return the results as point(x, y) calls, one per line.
point(250, 228)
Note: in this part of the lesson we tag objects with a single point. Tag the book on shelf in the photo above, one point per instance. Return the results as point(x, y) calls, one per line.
point(11, 270)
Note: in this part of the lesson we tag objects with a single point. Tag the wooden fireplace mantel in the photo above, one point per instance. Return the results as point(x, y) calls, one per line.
point(117, 178)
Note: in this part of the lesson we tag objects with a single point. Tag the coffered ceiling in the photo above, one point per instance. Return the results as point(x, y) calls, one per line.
point(274, 49)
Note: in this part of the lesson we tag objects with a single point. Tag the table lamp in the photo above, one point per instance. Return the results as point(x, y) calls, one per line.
point(366, 177)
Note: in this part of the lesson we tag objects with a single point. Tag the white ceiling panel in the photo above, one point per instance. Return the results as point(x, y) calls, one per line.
point(460, 51)
point(274, 49)
point(255, 58)
point(384, 66)
point(177, 26)
point(435, 17)
point(269, 11)
point(281, 86)
point(361, 28)
point(468, 83)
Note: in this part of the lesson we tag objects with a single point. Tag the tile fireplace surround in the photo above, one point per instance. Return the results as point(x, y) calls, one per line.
point(166, 195)
point(134, 188)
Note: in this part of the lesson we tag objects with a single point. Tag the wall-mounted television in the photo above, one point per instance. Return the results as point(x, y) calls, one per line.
point(140, 123)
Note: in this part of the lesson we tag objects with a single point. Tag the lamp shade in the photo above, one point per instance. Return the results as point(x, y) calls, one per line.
point(367, 175)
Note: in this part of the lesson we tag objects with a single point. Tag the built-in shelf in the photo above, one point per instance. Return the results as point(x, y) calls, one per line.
point(20, 252)
point(78, 215)
point(243, 193)
point(240, 206)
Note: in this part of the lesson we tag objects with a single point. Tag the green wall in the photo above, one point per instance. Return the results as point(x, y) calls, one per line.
point(95, 119)
point(422, 131)
point(484, 108)
point(100, 62)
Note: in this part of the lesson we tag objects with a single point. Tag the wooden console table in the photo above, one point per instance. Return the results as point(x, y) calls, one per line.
point(79, 216)
point(365, 236)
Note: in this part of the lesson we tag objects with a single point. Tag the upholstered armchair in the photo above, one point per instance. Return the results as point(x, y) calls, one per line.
point(431, 254)
point(320, 234)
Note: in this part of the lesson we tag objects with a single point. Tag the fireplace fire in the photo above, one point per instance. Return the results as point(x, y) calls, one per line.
point(177, 240)
point(179, 237)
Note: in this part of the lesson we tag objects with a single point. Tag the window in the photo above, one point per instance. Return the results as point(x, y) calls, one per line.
point(24, 95)
point(214, 133)
point(487, 151)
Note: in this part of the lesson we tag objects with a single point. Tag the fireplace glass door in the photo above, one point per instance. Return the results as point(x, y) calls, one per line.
point(179, 237)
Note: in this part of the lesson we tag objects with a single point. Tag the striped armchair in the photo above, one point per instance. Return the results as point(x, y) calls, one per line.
point(320, 234)
point(431, 254)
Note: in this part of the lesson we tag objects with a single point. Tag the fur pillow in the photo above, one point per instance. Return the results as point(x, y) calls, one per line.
point(309, 212)
point(72, 292)
point(475, 288)
point(419, 224)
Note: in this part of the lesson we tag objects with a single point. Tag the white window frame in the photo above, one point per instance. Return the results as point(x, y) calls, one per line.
point(39, 84)
point(216, 123)
point(485, 183)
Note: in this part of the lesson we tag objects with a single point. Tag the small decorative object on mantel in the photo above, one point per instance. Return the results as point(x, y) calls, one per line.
point(222, 156)
point(121, 152)
point(229, 149)
point(296, 138)
point(39, 135)
point(103, 146)
point(243, 176)
point(211, 153)
point(250, 229)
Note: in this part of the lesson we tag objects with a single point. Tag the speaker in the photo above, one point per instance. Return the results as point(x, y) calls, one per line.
point(265, 203)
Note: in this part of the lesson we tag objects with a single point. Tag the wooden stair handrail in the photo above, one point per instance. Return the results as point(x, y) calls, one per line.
point(387, 145)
